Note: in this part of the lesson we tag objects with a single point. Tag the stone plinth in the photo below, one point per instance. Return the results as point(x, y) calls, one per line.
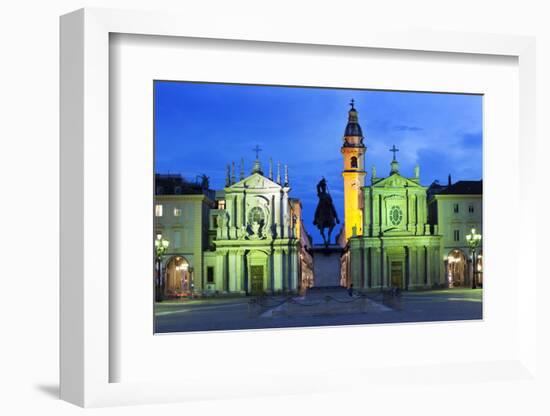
point(326, 265)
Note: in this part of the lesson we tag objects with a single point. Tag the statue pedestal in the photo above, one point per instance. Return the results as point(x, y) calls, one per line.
point(326, 265)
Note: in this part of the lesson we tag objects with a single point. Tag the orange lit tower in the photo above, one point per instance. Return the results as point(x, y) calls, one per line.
point(353, 151)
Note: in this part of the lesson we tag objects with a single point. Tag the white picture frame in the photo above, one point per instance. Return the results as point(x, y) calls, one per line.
point(86, 304)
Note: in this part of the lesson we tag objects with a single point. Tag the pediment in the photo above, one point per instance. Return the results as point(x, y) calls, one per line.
point(396, 181)
point(255, 181)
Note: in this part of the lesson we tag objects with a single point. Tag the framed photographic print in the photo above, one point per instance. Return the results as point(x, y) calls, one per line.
point(241, 215)
point(248, 242)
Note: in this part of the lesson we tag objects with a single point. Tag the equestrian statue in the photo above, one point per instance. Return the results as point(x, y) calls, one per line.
point(325, 213)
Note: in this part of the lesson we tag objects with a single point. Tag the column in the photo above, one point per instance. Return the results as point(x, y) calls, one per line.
point(355, 260)
point(416, 214)
point(446, 271)
point(243, 209)
point(273, 216)
point(277, 270)
point(383, 267)
point(239, 272)
point(408, 269)
point(219, 272)
point(376, 215)
point(233, 275)
point(362, 277)
point(428, 267)
point(413, 267)
point(438, 264)
point(410, 221)
point(367, 221)
point(285, 233)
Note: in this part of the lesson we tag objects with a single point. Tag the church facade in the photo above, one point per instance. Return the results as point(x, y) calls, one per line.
point(387, 238)
point(247, 239)
point(255, 248)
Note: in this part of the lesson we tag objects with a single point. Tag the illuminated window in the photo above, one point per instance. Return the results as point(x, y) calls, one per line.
point(456, 235)
point(221, 204)
point(209, 274)
point(455, 208)
point(353, 162)
point(177, 212)
point(471, 208)
point(158, 210)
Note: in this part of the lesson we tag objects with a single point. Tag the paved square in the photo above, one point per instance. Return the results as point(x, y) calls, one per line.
point(318, 308)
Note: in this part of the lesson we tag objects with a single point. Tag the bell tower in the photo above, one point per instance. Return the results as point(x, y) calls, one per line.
point(353, 152)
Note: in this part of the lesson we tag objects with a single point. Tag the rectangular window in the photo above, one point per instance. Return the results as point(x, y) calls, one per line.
point(456, 235)
point(471, 208)
point(177, 212)
point(177, 239)
point(221, 204)
point(455, 208)
point(158, 210)
point(209, 274)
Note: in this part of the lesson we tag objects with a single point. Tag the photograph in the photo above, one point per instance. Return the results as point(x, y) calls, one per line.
point(288, 206)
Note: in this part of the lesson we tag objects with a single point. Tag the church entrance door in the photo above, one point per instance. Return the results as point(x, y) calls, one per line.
point(396, 274)
point(257, 280)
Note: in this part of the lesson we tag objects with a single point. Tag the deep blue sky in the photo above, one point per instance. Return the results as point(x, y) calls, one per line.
point(200, 128)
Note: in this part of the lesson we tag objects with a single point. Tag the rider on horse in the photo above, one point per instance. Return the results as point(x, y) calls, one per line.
point(325, 214)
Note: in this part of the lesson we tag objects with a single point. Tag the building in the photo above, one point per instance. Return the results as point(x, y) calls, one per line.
point(394, 245)
point(457, 209)
point(246, 239)
point(181, 217)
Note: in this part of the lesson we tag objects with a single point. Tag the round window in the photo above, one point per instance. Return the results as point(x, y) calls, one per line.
point(396, 215)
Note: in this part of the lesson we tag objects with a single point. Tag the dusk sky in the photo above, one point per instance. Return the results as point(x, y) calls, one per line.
point(200, 128)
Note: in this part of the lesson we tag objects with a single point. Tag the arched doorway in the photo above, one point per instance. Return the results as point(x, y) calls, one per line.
point(457, 268)
point(178, 276)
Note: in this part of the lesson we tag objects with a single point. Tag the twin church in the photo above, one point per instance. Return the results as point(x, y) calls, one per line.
point(249, 237)
point(387, 238)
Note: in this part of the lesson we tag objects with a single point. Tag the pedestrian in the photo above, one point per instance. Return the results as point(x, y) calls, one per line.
point(350, 290)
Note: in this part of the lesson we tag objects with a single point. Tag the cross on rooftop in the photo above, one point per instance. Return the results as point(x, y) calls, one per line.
point(394, 150)
point(352, 103)
point(257, 150)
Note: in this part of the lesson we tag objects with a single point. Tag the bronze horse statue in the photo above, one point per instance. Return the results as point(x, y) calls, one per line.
point(325, 213)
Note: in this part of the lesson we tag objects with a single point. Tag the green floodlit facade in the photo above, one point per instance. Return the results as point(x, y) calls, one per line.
point(411, 236)
point(398, 247)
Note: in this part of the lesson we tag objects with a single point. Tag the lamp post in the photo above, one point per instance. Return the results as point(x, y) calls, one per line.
point(161, 245)
point(474, 240)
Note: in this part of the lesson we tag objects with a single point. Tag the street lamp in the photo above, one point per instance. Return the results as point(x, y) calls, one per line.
point(474, 240)
point(161, 245)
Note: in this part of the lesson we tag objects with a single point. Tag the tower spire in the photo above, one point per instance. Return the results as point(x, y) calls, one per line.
point(271, 168)
point(353, 135)
point(353, 152)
